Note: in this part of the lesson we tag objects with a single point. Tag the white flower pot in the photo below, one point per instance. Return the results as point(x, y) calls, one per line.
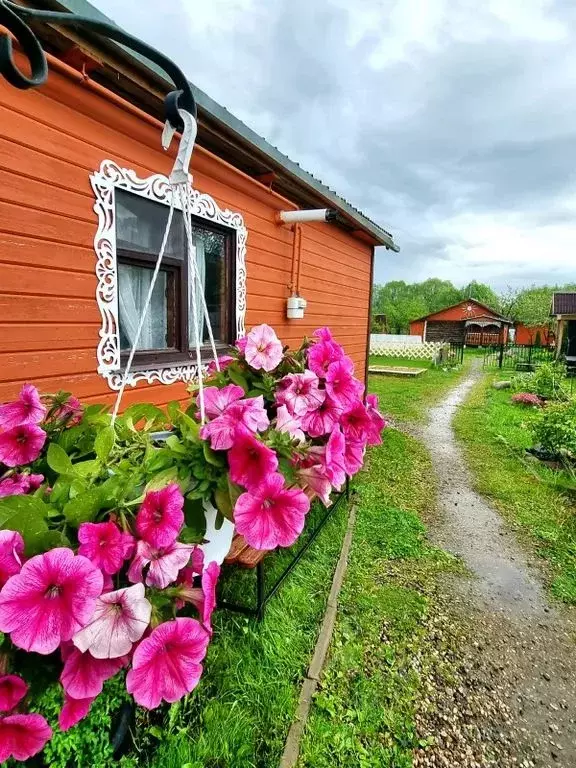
point(218, 543)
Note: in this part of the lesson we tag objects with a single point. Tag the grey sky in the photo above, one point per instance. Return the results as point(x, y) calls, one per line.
point(450, 122)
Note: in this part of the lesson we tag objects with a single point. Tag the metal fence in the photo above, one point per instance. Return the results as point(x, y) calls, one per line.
point(517, 357)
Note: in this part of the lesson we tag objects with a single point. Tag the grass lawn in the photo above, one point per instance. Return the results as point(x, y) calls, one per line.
point(494, 434)
point(408, 399)
point(364, 712)
point(240, 713)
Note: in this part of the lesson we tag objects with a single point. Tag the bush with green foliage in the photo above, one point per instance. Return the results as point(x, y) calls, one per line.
point(548, 381)
point(555, 428)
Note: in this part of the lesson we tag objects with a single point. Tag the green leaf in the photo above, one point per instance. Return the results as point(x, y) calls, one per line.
point(27, 515)
point(104, 443)
point(222, 503)
point(151, 414)
point(195, 520)
point(173, 410)
point(87, 468)
point(219, 522)
point(157, 460)
point(175, 445)
point(83, 508)
point(211, 456)
point(58, 460)
point(237, 378)
point(189, 428)
point(162, 479)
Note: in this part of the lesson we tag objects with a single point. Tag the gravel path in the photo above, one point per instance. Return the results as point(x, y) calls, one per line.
point(503, 690)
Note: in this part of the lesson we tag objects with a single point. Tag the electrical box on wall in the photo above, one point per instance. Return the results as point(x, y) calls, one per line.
point(295, 308)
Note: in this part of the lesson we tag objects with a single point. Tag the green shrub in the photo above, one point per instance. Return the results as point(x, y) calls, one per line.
point(547, 381)
point(555, 428)
point(87, 743)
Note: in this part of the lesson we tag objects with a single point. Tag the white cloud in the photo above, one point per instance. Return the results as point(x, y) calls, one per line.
point(451, 122)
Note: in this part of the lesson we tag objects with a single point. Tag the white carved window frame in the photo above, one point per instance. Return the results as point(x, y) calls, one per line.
point(157, 188)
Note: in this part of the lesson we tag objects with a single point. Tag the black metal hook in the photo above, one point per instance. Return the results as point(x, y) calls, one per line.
point(12, 16)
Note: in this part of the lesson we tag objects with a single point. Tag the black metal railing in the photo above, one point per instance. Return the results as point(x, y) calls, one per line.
point(517, 357)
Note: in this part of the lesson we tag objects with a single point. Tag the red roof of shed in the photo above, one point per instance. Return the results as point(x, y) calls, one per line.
point(491, 312)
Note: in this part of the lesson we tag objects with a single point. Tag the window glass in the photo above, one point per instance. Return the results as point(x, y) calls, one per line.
point(169, 326)
point(140, 226)
point(211, 261)
point(133, 286)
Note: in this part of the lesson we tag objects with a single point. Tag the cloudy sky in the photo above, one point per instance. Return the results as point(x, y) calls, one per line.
point(452, 123)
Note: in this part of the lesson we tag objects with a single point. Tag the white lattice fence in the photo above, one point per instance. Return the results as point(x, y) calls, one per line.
point(428, 350)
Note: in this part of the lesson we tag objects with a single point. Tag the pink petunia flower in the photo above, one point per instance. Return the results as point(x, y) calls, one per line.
point(203, 598)
point(164, 565)
point(52, 597)
point(322, 354)
point(250, 460)
point(70, 412)
point(323, 334)
point(289, 424)
point(217, 400)
point(21, 444)
point(248, 415)
point(23, 736)
point(83, 676)
point(73, 711)
point(377, 420)
point(20, 484)
point(105, 545)
point(161, 516)
point(263, 348)
point(166, 665)
point(335, 459)
point(271, 515)
point(340, 383)
point(12, 691)
point(356, 423)
point(353, 456)
point(300, 392)
point(14, 486)
point(224, 361)
point(28, 409)
point(323, 420)
point(241, 344)
point(314, 480)
point(119, 620)
point(11, 553)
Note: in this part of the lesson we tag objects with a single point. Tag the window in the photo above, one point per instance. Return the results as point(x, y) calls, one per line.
point(168, 332)
point(132, 219)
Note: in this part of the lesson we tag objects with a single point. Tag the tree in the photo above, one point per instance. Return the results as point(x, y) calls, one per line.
point(532, 307)
point(482, 293)
point(437, 294)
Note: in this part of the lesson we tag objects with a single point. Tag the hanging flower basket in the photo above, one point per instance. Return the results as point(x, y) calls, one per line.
point(111, 541)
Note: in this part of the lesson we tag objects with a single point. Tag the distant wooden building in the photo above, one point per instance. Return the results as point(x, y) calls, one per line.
point(468, 322)
point(564, 312)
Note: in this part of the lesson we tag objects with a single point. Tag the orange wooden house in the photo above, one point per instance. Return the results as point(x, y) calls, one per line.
point(82, 210)
point(468, 322)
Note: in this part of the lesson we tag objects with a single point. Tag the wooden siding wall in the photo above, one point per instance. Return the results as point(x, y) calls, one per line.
point(445, 330)
point(50, 142)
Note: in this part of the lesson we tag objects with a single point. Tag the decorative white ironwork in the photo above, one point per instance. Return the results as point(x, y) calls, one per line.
point(156, 188)
point(427, 350)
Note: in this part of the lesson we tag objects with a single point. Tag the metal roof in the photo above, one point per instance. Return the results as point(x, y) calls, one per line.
point(564, 303)
point(492, 313)
point(240, 132)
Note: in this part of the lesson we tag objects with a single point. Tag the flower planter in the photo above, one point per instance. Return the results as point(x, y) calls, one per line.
point(113, 531)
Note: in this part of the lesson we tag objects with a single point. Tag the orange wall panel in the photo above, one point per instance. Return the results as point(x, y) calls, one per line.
point(50, 142)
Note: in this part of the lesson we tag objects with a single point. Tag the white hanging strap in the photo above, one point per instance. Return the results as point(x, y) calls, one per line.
point(138, 333)
point(195, 277)
point(179, 180)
